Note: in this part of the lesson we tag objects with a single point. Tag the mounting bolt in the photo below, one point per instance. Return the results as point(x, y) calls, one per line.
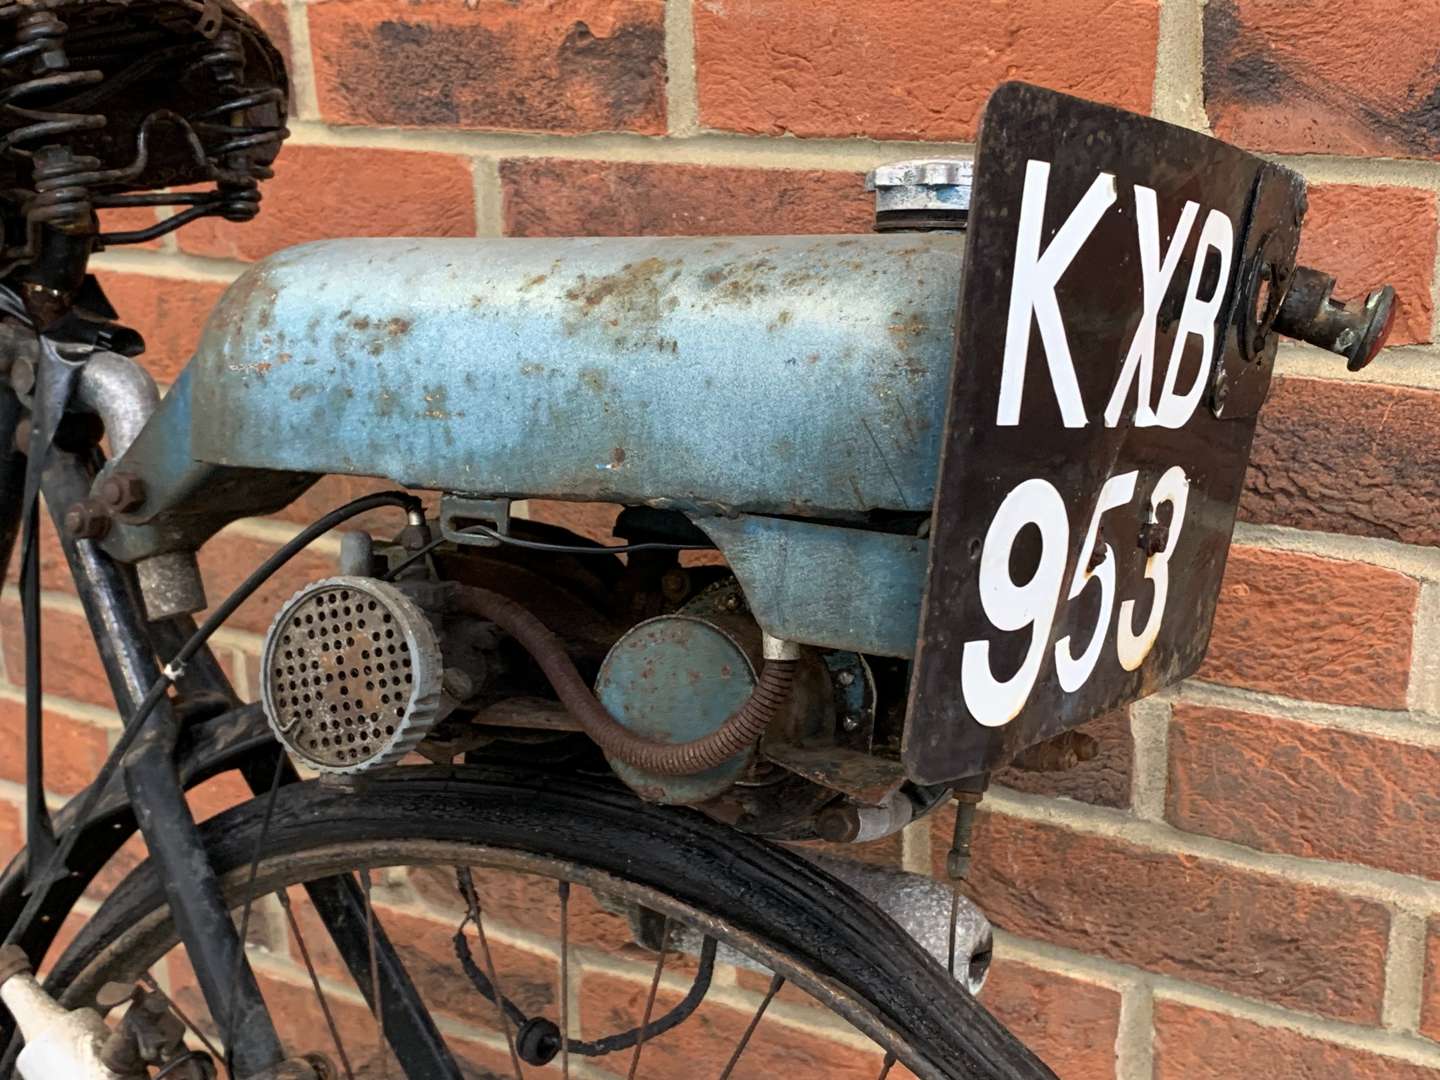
point(851, 723)
point(87, 520)
point(122, 492)
point(1154, 537)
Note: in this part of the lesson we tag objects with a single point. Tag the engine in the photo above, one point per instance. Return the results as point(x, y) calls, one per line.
point(455, 641)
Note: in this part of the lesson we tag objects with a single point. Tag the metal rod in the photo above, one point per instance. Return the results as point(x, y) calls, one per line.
point(776, 982)
point(12, 478)
point(477, 916)
point(283, 896)
point(108, 594)
point(650, 1001)
point(367, 885)
point(564, 890)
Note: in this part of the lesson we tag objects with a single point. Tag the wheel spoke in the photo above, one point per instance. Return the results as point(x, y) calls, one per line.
point(650, 1001)
point(476, 915)
point(366, 885)
point(564, 890)
point(284, 897)
point(954, 918)
point(776, 982)
point(886, 1066)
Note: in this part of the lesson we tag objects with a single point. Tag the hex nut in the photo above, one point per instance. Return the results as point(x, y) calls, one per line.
point(122, 492)
point(87, 521)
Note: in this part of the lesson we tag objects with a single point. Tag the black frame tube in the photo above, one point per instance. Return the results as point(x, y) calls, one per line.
point(110, 598)
point(155, 783)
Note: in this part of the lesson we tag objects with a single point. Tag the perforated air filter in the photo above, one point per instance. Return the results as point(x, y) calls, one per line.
point(351, 675)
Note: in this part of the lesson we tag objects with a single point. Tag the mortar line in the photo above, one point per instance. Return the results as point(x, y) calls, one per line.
point(682, 96)
point(1416, 366)
point(701, 148)
point(489, 197)
point(1063, 961)
point(915, 846)
point(1413, 729)
point(302, 62)
point(1150, 767)
point(1135, 1037)
point(172, 264)
point(1404, 973)
point(1380, 886)
point(1418, 562)
point(1179, 92)
point(1425, 654)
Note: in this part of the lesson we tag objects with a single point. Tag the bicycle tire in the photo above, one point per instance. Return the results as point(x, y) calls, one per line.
point(801, 922)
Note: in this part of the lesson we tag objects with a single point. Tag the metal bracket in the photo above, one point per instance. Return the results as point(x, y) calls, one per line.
point(459, 512)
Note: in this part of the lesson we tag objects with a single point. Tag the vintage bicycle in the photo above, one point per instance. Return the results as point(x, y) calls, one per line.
point(964, 483)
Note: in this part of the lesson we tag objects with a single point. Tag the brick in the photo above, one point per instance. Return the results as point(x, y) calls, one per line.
point(594, 521)
point(1104, 780)
point(1372, 236)
point(1287, 787)
point(427, 949)
point(1322, 78)
point(1196, 1044)
point(521, 902)
point(302, 1029)
point(169, 312)
point(1430, 1000)
point(217, 795)
point(1292, 944)
point(230, 558)
point(1347, 458)
point(565, 66)
point(609, 1004)
point(322, 192)
point(1307, 627)
point(900, 70)
point(74, 749)
point(70, 666)
point(596, 198)
point(1071, 1024)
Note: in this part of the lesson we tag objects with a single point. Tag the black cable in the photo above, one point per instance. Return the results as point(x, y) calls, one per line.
point(541, 545)
point(196, 642)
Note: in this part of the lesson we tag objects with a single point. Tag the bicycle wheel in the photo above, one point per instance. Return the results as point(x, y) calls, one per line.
point(486, 852)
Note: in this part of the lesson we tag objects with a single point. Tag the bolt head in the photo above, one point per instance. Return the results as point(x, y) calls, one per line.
point(851, 723)
point(1154, 537)
point(846, 678)
point(87, 521)
point(122, 492)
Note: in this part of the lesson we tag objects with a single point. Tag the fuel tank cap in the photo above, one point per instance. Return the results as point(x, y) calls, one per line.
point(922, 194)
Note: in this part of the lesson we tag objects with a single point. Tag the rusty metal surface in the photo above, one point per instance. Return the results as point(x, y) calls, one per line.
point(676, 678)
point(834, 587)
point(794, 375)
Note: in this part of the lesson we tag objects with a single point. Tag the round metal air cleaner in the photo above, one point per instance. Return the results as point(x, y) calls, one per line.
point(351, 675)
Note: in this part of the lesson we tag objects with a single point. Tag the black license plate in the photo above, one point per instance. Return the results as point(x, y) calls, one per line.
point(1121, 282)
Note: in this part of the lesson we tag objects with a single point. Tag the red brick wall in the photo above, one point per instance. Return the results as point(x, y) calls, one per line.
point(1250, 871)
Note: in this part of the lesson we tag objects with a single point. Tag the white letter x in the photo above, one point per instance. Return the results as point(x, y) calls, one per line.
point(1155, 275)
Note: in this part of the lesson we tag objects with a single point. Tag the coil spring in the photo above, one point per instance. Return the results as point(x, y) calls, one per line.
point(236, 148)
point(62, 193)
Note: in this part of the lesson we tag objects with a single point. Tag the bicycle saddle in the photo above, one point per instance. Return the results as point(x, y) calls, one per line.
point(109, 103)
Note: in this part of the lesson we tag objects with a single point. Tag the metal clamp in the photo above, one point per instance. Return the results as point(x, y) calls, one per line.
point(458, 512)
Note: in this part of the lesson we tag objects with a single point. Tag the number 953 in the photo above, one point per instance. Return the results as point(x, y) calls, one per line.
point(1013, 606)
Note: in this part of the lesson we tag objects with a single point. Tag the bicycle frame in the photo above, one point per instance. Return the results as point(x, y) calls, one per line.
point(207, 732)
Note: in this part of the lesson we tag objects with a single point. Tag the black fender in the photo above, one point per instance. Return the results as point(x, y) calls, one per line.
point(236, 739)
